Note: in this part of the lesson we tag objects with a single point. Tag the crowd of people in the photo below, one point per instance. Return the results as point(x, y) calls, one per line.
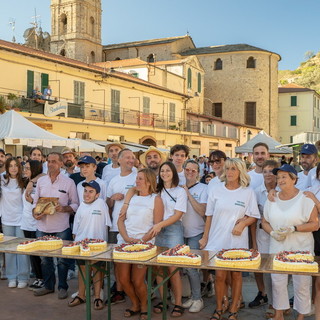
point(209, 203)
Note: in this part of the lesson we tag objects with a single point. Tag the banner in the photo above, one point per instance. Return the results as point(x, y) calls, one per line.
point(54, 109)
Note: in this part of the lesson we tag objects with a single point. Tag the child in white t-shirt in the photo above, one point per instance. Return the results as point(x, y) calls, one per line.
point(90, 221)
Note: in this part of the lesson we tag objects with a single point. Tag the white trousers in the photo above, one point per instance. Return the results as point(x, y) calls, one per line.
point(301, 292)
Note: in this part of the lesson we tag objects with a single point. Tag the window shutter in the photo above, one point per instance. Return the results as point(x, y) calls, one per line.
point(189, 78)
point(30, 80)
point(199, 82)
point(44, 81)
point(293, 101)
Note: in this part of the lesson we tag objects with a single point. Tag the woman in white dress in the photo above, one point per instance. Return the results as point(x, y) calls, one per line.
point(229, 202)
point(290, 220)
point(144, 210)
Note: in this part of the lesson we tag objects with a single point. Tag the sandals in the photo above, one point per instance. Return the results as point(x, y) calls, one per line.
point(233, 316)
point(217, 315)
point(179, 310)
point(225, 304)
point(129, 313)
point(98, 304)
point(76, 301)
point(143, 315)
point(158, 308)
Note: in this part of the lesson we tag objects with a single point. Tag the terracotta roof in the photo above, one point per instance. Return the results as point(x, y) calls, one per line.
point(292, 87)
point(144, 42)
point(18, 48)
point(223, 48)
point(223, 120)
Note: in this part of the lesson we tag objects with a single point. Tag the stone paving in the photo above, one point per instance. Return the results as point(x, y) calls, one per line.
point(21, 304)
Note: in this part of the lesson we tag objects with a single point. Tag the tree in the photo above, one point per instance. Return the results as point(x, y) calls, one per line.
point(309, 54)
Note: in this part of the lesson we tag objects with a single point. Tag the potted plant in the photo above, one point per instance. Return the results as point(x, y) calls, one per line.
point(2, 105)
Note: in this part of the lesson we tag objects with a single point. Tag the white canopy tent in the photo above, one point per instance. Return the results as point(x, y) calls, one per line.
point(17, 130)
point(265, 138)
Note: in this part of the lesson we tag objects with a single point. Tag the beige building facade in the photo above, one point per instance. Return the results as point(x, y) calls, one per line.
point(299, 112)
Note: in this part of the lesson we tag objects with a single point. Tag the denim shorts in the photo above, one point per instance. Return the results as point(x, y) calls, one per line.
point(170, 236)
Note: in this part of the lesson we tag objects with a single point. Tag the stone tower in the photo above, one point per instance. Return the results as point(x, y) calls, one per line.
point(76, 29)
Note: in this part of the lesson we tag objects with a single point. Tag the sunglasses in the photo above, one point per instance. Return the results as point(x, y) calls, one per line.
point(217, 161)
point(191, 170)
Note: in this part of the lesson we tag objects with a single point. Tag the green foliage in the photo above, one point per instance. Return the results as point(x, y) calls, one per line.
point(12, 96)
point(2, 105)
point(283, 82)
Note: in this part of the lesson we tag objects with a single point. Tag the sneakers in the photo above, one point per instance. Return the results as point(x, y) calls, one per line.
point(22, 284)
point(37, 284)
point(12, 284)
point(117, 297)
point(258, 301)
point(193, 305)
point(42, 291)
point(62, 294)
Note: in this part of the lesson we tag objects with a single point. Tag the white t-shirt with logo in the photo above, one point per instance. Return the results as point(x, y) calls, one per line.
point(177, 200)
point(90, 221)
point(103, 191)
point(193, 223)
point(226, 207)
point(119, 184)
point(109, 172)
point(256, 179)
point(182, 178)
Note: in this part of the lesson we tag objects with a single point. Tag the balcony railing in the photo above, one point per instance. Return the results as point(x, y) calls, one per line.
point(123, 116)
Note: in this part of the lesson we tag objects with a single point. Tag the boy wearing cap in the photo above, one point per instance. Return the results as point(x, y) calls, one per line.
point(88, 168)
point(90, 221)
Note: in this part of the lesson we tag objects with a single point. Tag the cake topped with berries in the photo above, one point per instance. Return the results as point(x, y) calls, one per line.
point(41, 243)
point(180, 254)
point(135, 251)
point(85, 247)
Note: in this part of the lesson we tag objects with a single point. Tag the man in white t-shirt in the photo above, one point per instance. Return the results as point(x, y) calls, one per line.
point(117, 189)
point(308, 159)
point(260, 153)
point(179, 154)
point(112, 169)
point(152, 159)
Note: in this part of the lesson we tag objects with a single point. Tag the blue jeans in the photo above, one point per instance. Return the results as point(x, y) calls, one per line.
point(170, 236)
point(17, 265)
point(48, 267)
point(194, 275)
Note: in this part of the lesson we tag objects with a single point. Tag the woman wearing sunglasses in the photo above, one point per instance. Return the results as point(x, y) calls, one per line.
point(193, 224)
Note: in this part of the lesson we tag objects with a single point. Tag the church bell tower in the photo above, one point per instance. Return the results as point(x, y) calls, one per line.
point(76, 29)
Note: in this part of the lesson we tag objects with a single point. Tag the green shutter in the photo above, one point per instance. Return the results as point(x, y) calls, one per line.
point(189, 78)
point(30, 80)
point(44, 81)
point(293, 101)
point(293, 120)
point(199, 82)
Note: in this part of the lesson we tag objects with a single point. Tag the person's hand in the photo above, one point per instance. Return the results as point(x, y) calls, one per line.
point(131, 240)
point(242, 219)
point(285, 231)
point(38, 216)
point(238, 228)
point(203, 242)
point(29, 198)
point(277, 236)
point(117, 197)
point(155, 230)
point(59, 208)
point(272, 195)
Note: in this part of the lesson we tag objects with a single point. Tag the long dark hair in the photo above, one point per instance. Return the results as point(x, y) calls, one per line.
point(35, 168)
point(175, 177)
point(20, 180)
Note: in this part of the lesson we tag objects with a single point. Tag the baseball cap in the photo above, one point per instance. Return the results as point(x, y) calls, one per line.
point(308, 148)
point(285, 167)
point(93, 184)
point(86, 159)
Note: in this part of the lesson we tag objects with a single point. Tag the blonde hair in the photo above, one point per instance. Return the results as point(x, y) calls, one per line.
point(244, 178)
point(151, 178)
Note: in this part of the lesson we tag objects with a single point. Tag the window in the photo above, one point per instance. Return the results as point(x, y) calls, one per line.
point(91, 26)
point(117, 58)
point(251, 62)
point(293, 120)
point(250, 113)
point(36, 79)
point(293, 101)
point(228, 145)
point(146, 105)
point(199, 82)
point(93, 57)
point(218, 64)
point(217, 109)
point(78, 92)
point(115, 106)
point(63, 23)
point(318, 124)
point(150, 57)
point(172, 112)
point(291, 139)
point(63, 52)
point(189, 78)
point(196, 142)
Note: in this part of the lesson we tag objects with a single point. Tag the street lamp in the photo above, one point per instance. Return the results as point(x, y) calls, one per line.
point(104, 103)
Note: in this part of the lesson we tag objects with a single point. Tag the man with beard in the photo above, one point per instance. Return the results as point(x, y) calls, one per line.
point(2, 161)
point(152, 159)
point(69, 162)
point(308, 159)
point(260, 155)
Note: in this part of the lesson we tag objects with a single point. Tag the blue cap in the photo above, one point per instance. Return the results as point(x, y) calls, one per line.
point(285, 167)
point(93, 184)
point(86, 159)
point(308, 148)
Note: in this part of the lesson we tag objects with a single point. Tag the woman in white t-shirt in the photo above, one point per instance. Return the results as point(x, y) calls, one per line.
point(170, 231)
point(193, 226)
point(229, 202)
point(11, 207)
point(143, 211)
point(290, 220)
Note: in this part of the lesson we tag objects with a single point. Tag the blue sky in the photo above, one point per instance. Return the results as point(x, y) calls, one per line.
point(287, 27)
